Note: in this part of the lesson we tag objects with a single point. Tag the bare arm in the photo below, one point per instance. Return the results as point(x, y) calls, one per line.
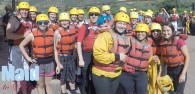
point(185, 52)
point(22, 45)
point(57, 38)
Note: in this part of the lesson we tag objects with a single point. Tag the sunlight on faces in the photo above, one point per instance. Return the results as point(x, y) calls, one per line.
point(167, 32)
point(156, 33)
point(148, 19)
point(133, 20)
point(141, 35)
point(73, 17)
point(93, 17)
point(52, 16)
point(120, 26)
point(24, 12)
point(64, 23)
point(32, 15)
point(80, 17)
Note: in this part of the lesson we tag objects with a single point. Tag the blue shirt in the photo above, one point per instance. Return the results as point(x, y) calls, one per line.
point(140, 18)
point(101, 20)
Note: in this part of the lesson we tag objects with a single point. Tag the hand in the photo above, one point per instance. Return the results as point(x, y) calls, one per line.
point(182, 78)
point(31, 60)
point(27, 33)
point(60, 66)
point(155, 58)
point(81, 63)
point(158, 78)
point(58, 69)
point(122, 56)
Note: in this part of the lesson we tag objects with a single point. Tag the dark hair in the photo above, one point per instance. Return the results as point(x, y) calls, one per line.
point(169, 24)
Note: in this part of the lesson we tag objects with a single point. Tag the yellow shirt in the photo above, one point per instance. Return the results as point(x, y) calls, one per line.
point(102, 45)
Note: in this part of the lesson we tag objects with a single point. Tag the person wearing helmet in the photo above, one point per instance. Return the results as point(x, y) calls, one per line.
point(73, 17)
point(174, 18)
point(41, 39)
point(192, 25)
point(85, 41)
point(174, 54)
point(141, 16)
point(148, 18)
point(53, 15)
point(163, 13)
point(134, 78)
point(123, 9)
point(106, 16)
point(110, 55)
point(134, 19)
point(81, 20)
point(184, 19)
point(64, 54)
point(16, 31)
point(33, 14)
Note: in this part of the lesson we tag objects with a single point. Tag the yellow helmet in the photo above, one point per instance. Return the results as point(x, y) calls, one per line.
point(33, 9)
point(81, 11)
point(42, 17)
point(53, 9)
point(174, 9)
point(23, 5)
point(142, 27)
point(121, 17)
point(131, 10)
point(94, 9)
point(105, 7)
point(134, 9)
point(148, 14)
point(134, 15)
point(155, 26)
point(64, 16)
point(191, 12)
point(165, 84)
point(74, 11)
point(123, 9)
point(185, 11)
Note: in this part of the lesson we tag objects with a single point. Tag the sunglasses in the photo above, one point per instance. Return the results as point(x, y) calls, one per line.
point(42, 23)
point(92, 14)
point(155, 31)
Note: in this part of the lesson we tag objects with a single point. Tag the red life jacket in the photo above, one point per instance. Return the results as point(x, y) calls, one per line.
point(54, 26)
point(67, 42)
point(90, 34)
point(138, 56)
point(174, 17)
point(120, 44)
point(23, 27)
point(170, 53)
point(43, 43)
point(130, 31)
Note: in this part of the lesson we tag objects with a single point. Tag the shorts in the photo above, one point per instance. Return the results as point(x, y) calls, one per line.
point(68, 74)
point(46, 70)
point(16, 58)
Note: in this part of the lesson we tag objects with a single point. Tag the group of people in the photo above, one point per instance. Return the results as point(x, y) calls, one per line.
point(111, 51)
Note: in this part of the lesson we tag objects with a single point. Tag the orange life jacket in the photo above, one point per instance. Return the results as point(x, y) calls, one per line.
point(120, 44)
point(23, 27)
point(138, 56)
point(90, 34)
point(54, 26)
point(170, 53)
point(43, 43)
point(67, 42)
point(130, 31)
point(156, 47)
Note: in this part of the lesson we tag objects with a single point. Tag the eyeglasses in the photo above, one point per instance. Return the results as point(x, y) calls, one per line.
point(96, 14)
point(42, 23)
point(155, 31)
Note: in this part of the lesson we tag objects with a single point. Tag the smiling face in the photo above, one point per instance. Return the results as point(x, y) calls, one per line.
point(134, 20)
point(167, 32)
point(148, 20)
point(32, 15)
point(80, 17)
point(64, 23)
point(120, 26)
point(42, 25)
point(156, 33)
point(24, 12)
point(52, 16)
point(141, 35)
point(73, 17)
point(93, 17)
